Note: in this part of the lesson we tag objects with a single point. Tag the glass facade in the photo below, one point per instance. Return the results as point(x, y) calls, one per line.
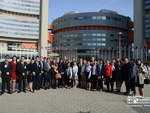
point(19, 18)
point(19, 25)
point(90, 30)
point(89, 18)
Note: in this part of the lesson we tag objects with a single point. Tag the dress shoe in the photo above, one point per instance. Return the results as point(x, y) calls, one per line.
point(2, 93)
point(9, 93)
point(19, 91)
point(24, 91)
point(107, 90)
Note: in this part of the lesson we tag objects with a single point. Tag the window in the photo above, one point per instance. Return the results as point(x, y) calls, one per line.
point(103, 17)
point(93, 44)
point(103, 39)
point(84, 34)
point(93, 17)
point(103, 34)
point(80, 18)
point(103, 44)
point(98, 34)
point(98, 44)
point(93, 34)
point(93, 39)
point(89, 44)
point(99, 17)
point(98, 39)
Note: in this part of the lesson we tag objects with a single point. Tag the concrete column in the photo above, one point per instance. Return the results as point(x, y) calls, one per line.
point(139, 37)
point(43, 27)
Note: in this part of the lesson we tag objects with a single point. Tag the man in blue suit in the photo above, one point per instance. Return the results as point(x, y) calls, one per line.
point(38, 73)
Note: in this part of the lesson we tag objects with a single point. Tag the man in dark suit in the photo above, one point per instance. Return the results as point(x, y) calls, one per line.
point(100, 74)
point(42, 71)
point(80, 64)
point(47, 73)
point(6, 69)
point(125, 71)
point(22, 73)
point(37, 66)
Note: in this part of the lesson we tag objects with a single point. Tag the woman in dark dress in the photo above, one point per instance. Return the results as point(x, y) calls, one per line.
point(118, 72)
point(31, 75)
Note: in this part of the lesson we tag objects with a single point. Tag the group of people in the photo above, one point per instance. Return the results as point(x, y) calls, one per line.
point(48, 73)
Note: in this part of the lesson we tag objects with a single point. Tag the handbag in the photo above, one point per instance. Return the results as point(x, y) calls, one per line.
point(57, 75)
point(30, 74)
point(146, 81)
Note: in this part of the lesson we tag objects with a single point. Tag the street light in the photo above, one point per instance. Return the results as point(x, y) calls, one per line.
point(120, 52)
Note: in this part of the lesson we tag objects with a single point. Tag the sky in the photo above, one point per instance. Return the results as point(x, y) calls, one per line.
point(58, 8)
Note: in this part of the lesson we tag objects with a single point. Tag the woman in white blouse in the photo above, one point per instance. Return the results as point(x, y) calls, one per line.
point(75, 74)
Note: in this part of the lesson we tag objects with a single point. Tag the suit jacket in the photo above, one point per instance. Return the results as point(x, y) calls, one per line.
point(100, 72)
point(79, 67)
point(125, 71)
point(37, 67)
point(5, 69)
point(22, 68)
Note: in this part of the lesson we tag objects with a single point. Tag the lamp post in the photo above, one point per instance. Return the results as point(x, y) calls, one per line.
point(120, 52)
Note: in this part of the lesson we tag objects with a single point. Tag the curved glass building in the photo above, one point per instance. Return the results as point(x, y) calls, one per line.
point(20, 26)
point(90, 34)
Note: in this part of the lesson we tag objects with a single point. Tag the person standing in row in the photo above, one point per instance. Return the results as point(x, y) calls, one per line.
point(125, 72)
point(88, 75)
point(75, 74)
point(14, 75)
point(141, 71)
point(6, 68)
point(118, 74)
point(37, 66)
point(79, 71)
point(131, 77)
point(31, 75)
point(108, 74)
point(112, 80)
point(68, 75)
point(22, 73)
point(100, 74)
point(61, 70)
point(47, 74)
point(83, 74)
point(42, 72)
point(94, 76)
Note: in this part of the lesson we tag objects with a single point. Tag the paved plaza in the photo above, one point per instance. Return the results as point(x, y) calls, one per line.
point(69, 101)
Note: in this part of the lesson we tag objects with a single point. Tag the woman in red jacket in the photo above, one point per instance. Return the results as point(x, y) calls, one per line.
point(107, 73)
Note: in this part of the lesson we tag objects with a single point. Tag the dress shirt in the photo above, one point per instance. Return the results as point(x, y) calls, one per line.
point(88, 69)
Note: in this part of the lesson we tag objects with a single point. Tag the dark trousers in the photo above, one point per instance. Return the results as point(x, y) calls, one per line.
point(38, 81)
point(100, 83)
point(47, 83)
point(107, 82)
point(127, 86)
point(61, 80)
point(42, 80)
point(94, 81)
point(22, 79)
point(132, 85)
point(6, 80)
point(79, 79)
point(67, 80)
